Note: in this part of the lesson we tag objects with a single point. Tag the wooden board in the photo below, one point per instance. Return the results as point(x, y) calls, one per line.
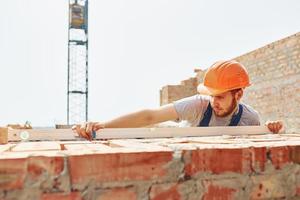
point(3, 135)
point(124, 133)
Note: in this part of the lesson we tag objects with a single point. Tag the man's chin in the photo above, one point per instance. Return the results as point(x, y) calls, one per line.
point(221, 114)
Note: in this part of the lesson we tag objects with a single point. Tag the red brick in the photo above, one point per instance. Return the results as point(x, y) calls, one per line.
point(165, 192)
point(298, 191)
point(118, 193)
point(12, 173)
point(217, 161)
point(279, 156)
point(258, 159)
point(39, 165)
point(61, 196)
point(295, 154)
point(119, 166)
point(218, 192)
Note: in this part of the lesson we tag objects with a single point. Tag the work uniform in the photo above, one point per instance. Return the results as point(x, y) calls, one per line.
point(193, 111)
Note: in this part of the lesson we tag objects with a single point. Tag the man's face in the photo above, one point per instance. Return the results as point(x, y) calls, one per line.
point(223, 104)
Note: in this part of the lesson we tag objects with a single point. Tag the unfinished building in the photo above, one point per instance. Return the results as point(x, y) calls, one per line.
point(249, 166)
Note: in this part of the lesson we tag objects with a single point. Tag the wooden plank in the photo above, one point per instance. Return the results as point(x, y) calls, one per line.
point(41, 134)
point(130, 133)
point(180, 132)
point(3, 135)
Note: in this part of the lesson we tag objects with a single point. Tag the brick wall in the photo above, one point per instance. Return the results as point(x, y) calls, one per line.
point(171, 93)
point(245, 167)
point(275, 75)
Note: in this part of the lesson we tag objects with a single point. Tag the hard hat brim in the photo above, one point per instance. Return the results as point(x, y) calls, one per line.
point(202, 89)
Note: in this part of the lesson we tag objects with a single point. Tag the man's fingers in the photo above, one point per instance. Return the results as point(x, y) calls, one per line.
point(270, 126)
point(277, 127)
point(89, 128)
point(274, 126)
point(85, 130)
point(80, 130)
point(83, 133)
point(280, 124)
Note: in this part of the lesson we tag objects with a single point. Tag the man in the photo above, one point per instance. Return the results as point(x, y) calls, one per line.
point(218, 104)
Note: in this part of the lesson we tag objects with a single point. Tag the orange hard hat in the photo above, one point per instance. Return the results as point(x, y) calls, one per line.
point(224, 76)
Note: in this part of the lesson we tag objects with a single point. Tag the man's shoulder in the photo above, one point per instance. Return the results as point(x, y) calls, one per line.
point(191, 108)
point(250, 115)
point(249, 108)
point(195, 98)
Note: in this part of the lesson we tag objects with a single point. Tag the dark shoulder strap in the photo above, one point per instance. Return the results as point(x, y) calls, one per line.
point(208, 113)
point(236, 118)
point(206, 117)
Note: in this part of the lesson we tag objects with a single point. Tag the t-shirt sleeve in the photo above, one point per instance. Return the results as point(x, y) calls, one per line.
point(250, 117)
point(255, 120)
point(191, 108)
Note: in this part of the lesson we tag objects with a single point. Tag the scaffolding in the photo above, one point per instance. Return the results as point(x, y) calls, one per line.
point(77, 105)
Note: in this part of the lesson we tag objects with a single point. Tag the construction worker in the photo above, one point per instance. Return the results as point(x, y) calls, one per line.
point(218, 104)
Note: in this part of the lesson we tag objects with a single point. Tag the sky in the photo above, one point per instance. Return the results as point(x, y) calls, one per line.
point(135, 48)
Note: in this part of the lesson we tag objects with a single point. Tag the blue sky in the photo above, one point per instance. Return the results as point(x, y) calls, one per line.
point(135, 48)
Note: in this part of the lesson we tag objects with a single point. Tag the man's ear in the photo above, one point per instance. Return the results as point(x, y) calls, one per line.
point(239, 94)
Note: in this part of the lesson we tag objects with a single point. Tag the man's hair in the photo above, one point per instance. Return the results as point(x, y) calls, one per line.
point(233, 92)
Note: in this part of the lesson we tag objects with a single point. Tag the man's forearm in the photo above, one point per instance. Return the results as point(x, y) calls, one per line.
point(133, 120)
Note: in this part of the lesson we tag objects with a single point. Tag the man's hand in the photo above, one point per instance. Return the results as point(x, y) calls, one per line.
point(85, 130)
point(274, 126)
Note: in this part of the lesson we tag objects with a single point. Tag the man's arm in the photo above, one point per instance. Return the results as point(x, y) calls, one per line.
point(144, 117)
point(132, 120)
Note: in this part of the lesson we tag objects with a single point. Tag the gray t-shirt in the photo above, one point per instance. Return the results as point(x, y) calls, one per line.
point(192, 109)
